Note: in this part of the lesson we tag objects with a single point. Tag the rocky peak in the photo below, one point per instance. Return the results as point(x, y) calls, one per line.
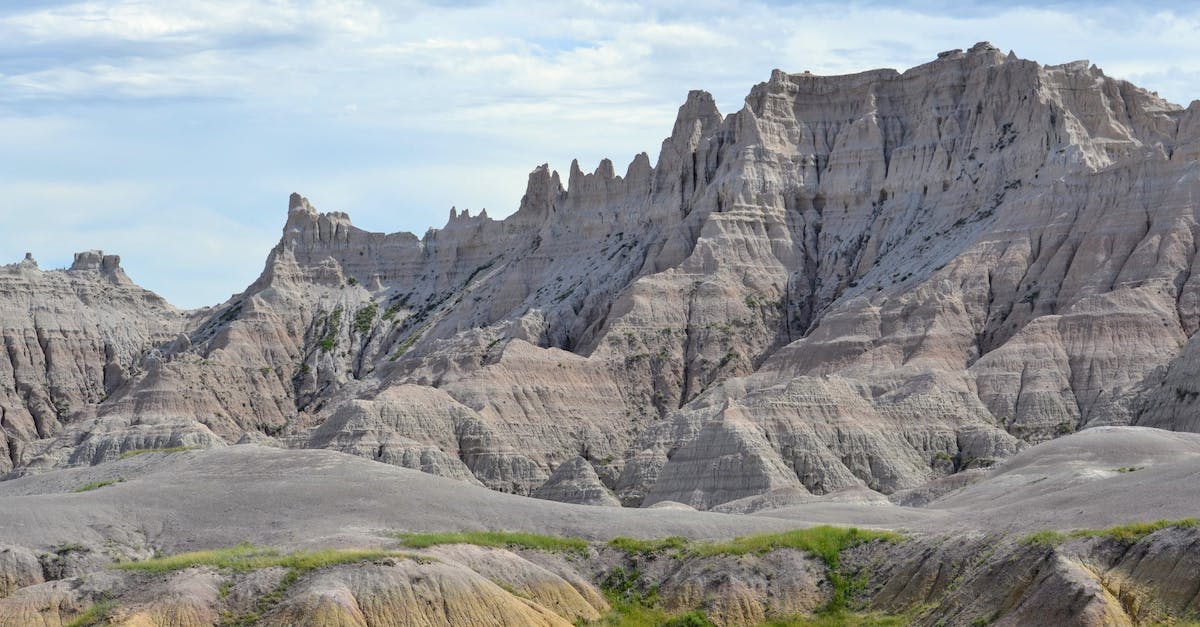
point(867, 280)
point(541, 192)
point(698, 116)
point(107, 266)
point(296, 202)
point(28, 263)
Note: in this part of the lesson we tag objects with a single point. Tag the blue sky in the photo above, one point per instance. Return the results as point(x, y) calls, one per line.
point(172, 132)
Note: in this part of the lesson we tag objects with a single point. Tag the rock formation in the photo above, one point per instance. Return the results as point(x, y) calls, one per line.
point(870, 281)
point(1031, 541)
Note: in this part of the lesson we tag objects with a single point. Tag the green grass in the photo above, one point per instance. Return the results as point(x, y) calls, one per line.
point(629, 613)
point(1131, 533)
point(247, 557)
point(501, 539)
point(648, 547)
point(95, 485)
point(635, 606)
point(97, 614)
point(143, 451)
point(841, 619)
point(823, 541)
point(1134, 532)
point(633, 613)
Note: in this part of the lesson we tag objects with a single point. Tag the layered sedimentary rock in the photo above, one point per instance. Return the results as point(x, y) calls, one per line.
point(868, 281)
point(71, 338)
point(576, 482)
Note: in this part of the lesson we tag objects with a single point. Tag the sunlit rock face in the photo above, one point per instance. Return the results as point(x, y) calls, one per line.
point(862, 281)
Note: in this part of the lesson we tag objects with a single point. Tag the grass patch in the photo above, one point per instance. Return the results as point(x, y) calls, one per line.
point(628, 613)
point(70, 547)
point(364, 318)
point(1131, 533)
point(95, 485)
point(1046, 538)
point(840, 619)
point(97, 614)
point(143, 451)
point(824, 541)
point(332, 324)
point(247, 557)
point(648, 547)
point(1134, 532)
point(633, 605)
point(501, 539)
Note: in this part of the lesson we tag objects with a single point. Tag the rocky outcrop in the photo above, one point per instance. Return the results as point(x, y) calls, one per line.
point(576, 482)
point(71, 339)
point(1032, 539)
point(870, 281)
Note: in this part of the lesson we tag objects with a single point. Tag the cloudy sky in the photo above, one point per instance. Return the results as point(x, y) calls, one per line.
point(172, 132)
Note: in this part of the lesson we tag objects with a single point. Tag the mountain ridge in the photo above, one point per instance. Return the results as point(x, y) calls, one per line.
point(862, 281)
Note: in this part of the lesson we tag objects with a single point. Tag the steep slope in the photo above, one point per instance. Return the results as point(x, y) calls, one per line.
point(863, 281)
point(71, 337)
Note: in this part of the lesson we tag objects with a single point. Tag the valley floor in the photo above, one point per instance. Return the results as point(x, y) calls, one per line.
point(1090, 529)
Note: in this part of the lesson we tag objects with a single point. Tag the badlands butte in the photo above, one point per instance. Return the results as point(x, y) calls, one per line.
point(953, 307)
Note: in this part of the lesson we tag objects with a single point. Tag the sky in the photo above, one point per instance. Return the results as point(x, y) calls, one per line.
point(172, 132)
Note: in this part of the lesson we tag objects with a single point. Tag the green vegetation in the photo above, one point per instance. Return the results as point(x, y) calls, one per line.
point(647, 547)
point(243, 558)
point(634, 604)
point(1125, 469)
point(88, 487)
point(97, 614)
point(392, 310)
point(70, 547)
point(364, 317)
point(625, 613)
point(840, 619)
point(1045, 538)
point(407, 344)
point(331, 328)
point(1131, 533)
point(495, 539)
point(823, 541)
point(143, 451)
point(247, 557)
point(1134, 532)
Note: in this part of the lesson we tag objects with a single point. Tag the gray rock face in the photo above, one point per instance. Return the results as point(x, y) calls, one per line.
point(870, 281)
point(576, 482)
point(71, 338)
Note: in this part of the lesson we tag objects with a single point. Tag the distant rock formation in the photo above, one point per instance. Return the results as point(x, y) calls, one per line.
point(865, 281)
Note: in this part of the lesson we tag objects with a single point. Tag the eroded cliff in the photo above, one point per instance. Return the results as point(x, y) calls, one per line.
point(868, 281)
